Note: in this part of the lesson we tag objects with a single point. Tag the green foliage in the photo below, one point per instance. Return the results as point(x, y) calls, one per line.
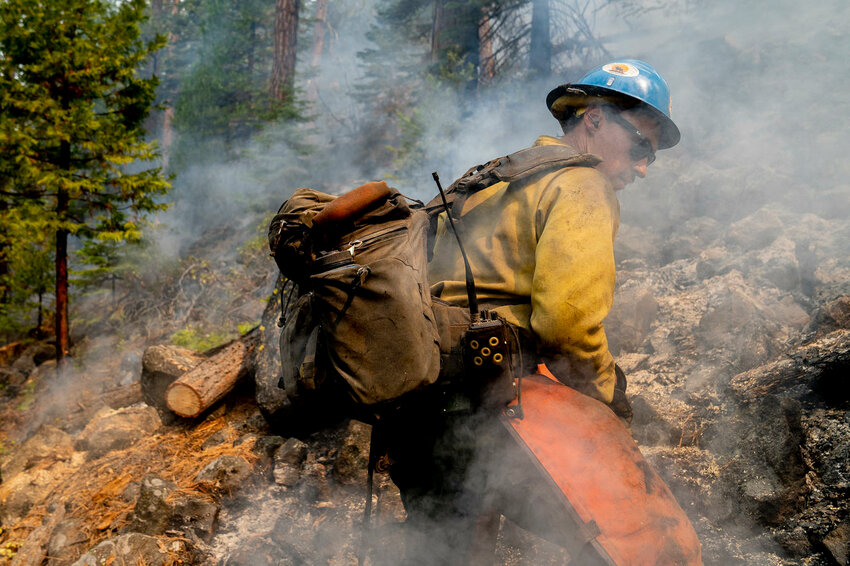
point(200, 341)
point(223, 98)
point(73, 155)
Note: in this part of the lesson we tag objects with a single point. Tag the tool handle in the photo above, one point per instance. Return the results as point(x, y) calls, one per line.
point(352, 204)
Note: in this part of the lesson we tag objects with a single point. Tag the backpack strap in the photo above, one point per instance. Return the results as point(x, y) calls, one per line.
point(519, 165)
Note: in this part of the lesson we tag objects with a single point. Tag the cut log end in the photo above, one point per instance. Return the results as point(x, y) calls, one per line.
point(183, 400)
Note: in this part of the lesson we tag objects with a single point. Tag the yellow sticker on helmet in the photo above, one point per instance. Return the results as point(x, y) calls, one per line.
point(622, 69)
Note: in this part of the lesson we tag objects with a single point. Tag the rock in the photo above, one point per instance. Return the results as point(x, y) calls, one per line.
point(34, 355)
point(795, 542)
point(834, 315)
point(10, 352)
point(268, 445)
point(195, 513)
point(756, 231)
point(48, 443)
point(130, 368)
point(712, 262)
point(133, 548)
point(352, 458)
point(271, 399)
point(115, 429)
point(67, 536)
point(634, 242)
point(287, 462)
point(30, 487)
point(225, 472)
point(768, 472)
point(152, 513)
point(630, 319)
point(691, 238)
point(11, 381)
point(777, 264)
point(838, 543)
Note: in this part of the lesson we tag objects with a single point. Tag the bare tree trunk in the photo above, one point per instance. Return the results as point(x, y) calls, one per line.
point(320, 27)
point(436, 28)
point(485, 50)
point(285, 43)
point(62, 206)
point(540, 60)
point(4, 262)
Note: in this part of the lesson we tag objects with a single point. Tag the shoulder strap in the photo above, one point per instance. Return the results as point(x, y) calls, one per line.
point(523, 163)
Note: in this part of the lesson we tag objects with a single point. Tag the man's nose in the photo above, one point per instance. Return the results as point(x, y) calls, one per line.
point(640, 167)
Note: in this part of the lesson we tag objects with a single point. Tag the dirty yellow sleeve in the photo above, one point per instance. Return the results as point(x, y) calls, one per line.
point(545, 248)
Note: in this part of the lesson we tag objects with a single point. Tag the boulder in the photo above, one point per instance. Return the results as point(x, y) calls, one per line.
point(634, 242)
point(34, 355)
point(67, 537)
point(225, 472)
point(838, 543)
point(28, 488)
point(288, 461)
point(766, 473)
point(756, 231)
point(630, 319)
point(112, 429)
point(48, 443)
point(152, 513)
point(352, 458)
point(195, 513)
point(134, 548)
point(833, 315)
point(777, 265)
point(690, 239)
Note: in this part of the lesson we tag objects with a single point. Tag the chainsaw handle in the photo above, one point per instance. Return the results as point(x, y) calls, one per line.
point(352, 204)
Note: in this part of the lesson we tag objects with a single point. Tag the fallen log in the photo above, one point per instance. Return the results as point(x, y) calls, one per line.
point(819, 367)
point(199, 388)
point(161, 365)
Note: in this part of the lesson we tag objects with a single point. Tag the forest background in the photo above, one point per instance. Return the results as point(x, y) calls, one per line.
point(235, 104)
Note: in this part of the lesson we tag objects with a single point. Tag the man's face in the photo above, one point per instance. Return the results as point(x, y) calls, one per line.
point(620, 140)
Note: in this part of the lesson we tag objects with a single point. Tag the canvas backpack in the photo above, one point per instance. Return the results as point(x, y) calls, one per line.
point(361, 334)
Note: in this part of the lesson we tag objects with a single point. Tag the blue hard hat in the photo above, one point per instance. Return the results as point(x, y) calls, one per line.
point(626, 82)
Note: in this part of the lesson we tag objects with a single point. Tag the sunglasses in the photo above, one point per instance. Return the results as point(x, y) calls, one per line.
point(641, 146)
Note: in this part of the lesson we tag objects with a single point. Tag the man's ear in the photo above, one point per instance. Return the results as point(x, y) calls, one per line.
point(591, 117)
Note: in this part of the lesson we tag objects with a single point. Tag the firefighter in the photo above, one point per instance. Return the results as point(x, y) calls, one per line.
point(542, 253)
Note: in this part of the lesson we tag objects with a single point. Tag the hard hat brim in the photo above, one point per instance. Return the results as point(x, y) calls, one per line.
point(564, 99)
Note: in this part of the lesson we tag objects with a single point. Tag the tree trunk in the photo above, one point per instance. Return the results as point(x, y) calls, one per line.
point(198, 389)
point(485, 50)
point(4, 263)
point(320, 27)
point(285, 43)
point(62, 206)
point(436, 29)
point(540, 59)
point(39, 321)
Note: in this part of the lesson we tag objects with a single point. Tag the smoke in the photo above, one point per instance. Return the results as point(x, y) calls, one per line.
point(759, 93)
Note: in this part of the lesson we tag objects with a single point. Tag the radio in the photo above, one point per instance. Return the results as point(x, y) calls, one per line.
point(488, 362)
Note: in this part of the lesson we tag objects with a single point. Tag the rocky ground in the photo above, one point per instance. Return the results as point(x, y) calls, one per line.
point(735, 335)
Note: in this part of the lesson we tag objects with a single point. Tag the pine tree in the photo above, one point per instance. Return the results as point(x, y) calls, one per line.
point(72, 106)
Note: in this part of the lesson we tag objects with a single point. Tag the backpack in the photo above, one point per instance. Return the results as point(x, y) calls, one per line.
point(361, 334)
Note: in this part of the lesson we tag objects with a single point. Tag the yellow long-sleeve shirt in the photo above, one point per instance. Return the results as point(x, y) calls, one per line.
point(545, 249)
